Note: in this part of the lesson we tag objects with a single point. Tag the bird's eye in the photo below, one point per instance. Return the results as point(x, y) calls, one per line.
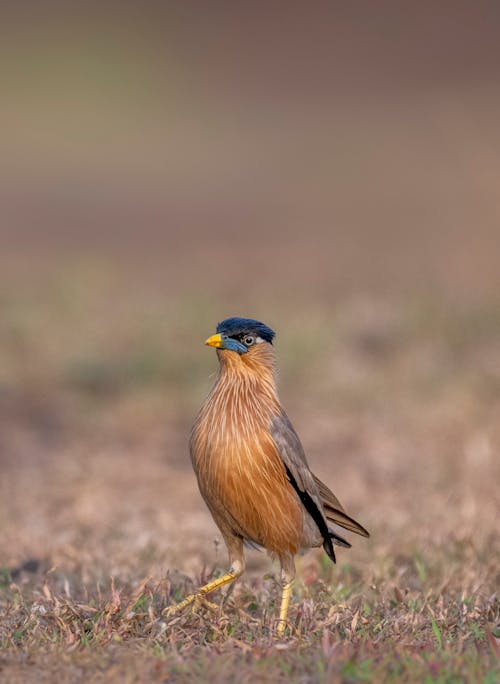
point(248, 340)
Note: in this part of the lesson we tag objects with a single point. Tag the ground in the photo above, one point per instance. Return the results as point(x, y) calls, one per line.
point(102, 527)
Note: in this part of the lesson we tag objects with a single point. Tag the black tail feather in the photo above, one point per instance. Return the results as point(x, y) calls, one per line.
point(328, 548)
point(313, 510)
point(339, 541)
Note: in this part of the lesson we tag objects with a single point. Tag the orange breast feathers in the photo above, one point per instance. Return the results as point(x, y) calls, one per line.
point(239, 470)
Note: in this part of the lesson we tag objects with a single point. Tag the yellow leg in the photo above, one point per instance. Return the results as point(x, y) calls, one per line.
point(199, 596)
point(285, 600)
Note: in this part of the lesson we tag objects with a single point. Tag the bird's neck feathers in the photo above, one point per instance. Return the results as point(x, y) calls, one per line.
point(244, 396)
point(258, 364)
point(232, 427)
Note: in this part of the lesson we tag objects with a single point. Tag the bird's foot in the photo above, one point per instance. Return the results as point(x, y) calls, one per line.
point(199, 598)
point(202, 602)
point(285, 600)
point(196, 601)
point(281, 628)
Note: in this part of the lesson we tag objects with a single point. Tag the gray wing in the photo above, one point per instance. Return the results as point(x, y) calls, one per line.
point(294, 459)
point(292, 454)
point(329, 507)
point(334, 511)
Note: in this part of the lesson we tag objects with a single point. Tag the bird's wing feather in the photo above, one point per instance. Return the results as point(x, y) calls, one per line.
point(327, 496)
point(292, 454)
point(334, 511)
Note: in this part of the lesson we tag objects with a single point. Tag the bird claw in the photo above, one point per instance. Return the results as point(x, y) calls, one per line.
point(195, 601)
point(201, 601)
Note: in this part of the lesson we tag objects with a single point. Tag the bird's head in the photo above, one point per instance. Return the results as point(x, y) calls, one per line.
point(241, 337)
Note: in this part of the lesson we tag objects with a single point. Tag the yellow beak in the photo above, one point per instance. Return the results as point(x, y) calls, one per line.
point(215, 341)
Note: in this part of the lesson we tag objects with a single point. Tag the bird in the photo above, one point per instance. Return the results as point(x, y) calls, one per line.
point(251, 467)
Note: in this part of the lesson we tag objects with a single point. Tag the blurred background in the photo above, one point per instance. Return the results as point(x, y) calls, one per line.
point(329, 168)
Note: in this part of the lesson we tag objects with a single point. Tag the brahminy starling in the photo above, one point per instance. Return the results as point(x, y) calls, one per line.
point(251, 467)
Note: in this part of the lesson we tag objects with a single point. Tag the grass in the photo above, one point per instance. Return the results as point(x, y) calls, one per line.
point(102, 527)
point(371, 633)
